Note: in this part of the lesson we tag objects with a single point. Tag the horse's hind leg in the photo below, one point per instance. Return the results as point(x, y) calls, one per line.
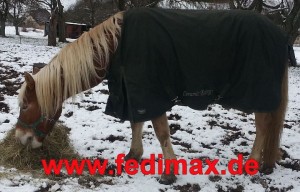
point(273, 132)
point(136, 148)
point(266, 144)
point(162, 131)
point(269, 127)
point(262, 122)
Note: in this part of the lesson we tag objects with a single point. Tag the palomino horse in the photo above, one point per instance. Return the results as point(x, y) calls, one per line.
point(84, 63)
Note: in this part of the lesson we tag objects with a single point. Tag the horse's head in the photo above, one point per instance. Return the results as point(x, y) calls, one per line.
point(76, 68)
point(32, 126)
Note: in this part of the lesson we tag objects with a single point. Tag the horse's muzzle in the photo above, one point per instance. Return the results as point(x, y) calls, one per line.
point(27, 138)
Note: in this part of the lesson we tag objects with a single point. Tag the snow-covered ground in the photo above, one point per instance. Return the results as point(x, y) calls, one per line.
point(195, 134)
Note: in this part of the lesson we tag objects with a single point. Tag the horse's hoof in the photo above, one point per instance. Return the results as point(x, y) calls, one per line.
point(167, 179)
point(267, 170)
point(280, 154)
point(132, 155)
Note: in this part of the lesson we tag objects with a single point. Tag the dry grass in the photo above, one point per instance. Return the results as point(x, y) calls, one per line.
point(3, 175)
point(56, 146)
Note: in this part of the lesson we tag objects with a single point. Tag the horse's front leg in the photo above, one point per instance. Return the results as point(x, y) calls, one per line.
point(136, 148)
point(162, 131)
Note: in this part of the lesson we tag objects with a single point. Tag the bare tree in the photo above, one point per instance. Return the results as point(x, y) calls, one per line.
point(127, 4)
point(91, 12)
point(18, 10)
point(61, 23)
point(121, 5)
point(4, 8)
point(292, 23)
point(51, 5)
point(57, 19)
point(92, 8)
point(285, 13)
point(53, 28)
point(91, 4)
point(84, 11)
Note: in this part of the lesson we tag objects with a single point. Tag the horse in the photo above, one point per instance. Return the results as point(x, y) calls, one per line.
point(96, 55)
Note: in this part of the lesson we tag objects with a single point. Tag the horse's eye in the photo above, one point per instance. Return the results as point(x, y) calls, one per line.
point(25, 106)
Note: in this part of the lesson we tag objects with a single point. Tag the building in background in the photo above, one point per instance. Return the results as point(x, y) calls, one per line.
point(73, 30)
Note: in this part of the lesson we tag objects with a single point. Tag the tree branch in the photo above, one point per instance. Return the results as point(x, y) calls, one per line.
point(272, 7)
point(231, 4)
point(211, 1)
point(153, 4)
point(47, 3)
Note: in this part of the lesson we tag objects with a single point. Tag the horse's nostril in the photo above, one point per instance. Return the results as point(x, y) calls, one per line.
point(29, 139)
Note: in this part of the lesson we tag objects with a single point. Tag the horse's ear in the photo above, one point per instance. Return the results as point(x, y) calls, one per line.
point(37, 67)
point(35, 70)
point(30, 81)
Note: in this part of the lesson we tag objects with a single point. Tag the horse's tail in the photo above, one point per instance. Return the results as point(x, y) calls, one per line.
point(275, 125)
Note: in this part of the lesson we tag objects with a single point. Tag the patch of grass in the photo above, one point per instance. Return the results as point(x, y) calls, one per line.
point(56, 146)
point(7, 174)
point(3, 175)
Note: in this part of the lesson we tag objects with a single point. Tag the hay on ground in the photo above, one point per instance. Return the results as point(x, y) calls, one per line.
point(56, 146)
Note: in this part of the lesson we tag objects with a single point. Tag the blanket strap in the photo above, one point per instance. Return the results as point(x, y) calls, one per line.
point(174, 97)
point(223, 92)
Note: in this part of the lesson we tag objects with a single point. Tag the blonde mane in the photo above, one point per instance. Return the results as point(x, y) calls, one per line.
point(72, 69)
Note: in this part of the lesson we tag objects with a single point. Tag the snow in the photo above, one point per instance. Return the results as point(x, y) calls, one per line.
point(90, 130)
point(71, 23)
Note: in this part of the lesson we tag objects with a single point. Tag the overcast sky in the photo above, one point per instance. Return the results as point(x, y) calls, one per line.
point(67, 3)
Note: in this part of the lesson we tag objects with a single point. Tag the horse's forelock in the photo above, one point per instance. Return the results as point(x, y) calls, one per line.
point(22, 94)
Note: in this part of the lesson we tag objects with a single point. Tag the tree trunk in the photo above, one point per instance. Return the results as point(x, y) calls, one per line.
point(92, 15)
point(61, 23)
point(17, 29)
point(231, 4)
point(3, 17)
point(2, 28)
point(292, 23)
point(91, 5)
point(16, 18)
point(135, 3)
point(52, 29)
point(121, 5)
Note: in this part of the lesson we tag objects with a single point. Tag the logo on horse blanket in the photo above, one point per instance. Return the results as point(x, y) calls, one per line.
point(195, 58)
point(198, 93)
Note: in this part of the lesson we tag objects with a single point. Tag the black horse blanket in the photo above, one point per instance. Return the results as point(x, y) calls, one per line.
point(195, 58)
